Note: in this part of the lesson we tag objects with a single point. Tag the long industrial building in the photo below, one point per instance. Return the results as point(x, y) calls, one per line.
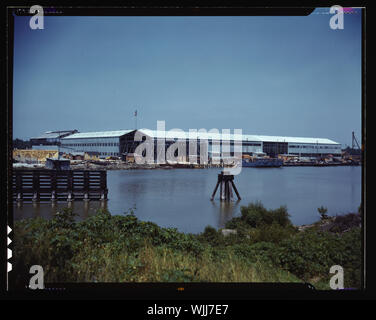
point(116, 143)
point(49, 140)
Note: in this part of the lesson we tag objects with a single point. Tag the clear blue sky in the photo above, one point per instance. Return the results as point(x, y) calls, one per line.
point(290, 76)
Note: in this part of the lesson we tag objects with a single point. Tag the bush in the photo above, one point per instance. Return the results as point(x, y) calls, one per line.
point(261, 251)
point(255, 215)
point(65, 218)
point(311, 253)
point(211, 236)
point(281, 216)
point(273, 233)
point(345, 222)
point(123, 248)
point(51, 244)
point(239, 225)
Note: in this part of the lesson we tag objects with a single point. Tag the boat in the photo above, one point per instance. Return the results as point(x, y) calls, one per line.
point(262, 162)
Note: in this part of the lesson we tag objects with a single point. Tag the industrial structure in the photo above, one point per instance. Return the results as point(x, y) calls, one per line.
point(125, 142)
point(104, 143)
point(50, 140)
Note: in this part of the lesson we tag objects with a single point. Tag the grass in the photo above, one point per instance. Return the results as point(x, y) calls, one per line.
point(161, 264)
point(106, 248)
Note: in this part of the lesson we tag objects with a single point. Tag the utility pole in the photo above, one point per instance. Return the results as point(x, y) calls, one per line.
point(135, 118)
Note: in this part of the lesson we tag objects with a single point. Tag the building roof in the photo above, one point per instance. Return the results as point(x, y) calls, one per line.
point(177, 134)
point(98, 134)
point(296, 140)
point(245, 137)
point(54, 134)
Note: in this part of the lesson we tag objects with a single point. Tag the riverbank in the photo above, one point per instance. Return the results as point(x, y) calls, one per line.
point(318, 164)
point(266, 247)
point(114, 165)
point(121, 165)
point(96, 165)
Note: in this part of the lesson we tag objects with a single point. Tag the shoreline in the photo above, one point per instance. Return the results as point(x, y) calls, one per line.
point(323, 224)
point(111, 248)
point(132, 166)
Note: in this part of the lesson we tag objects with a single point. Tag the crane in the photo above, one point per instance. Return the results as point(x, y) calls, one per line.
point(354, 141)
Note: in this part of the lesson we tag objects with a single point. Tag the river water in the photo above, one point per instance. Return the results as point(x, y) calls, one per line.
point(180, 198)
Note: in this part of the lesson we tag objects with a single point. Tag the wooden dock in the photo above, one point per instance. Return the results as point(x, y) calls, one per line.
point(56, 185)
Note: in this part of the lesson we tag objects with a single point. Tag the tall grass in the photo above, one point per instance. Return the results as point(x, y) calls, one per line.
point(163, 264)
point(106, 248)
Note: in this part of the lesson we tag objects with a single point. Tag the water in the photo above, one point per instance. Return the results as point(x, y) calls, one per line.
point(180, 198)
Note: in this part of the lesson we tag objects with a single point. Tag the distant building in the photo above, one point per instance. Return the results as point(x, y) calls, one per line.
point(104, 143)
point(50, 139)
point(122, 142)
point(45, 147)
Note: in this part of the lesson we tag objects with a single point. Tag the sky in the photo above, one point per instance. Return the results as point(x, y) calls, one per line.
point(280, 76)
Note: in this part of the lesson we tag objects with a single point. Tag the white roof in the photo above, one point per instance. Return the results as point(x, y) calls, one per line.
point(218, 136)
point(296, 140)
point(99, 134)
point(176, 134)
point(53, 134)
point(190, 135)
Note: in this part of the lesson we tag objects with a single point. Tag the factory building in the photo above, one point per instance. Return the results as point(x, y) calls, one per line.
point(304, 147)
point(49, 140)
point(104, 143)
point(118, 143)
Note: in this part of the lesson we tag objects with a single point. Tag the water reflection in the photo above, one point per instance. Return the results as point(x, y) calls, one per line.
point(181, 198)
point(83, 209)
point(226, 211)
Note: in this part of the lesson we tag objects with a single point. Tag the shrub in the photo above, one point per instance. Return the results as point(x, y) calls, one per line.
point(311, 253)
point(64, 218)
point(261, 252)
point(273, 233)
point(123, 248)
point(280, 216)
point(345, 222)
point(211, 236)
point(255, 215)
point(237, 223)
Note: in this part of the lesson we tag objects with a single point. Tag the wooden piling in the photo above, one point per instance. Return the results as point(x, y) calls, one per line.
point(70, 185)
point(19, 187)
point(53, 186)
point(36, 186)
point(215, 190)
point(236, 190)
point(86, 186)
point(226, 184)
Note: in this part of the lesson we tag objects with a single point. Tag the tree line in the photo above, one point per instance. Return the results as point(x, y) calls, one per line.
point(21, 144)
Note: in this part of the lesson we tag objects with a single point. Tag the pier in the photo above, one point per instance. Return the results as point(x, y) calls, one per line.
point(59, 185)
